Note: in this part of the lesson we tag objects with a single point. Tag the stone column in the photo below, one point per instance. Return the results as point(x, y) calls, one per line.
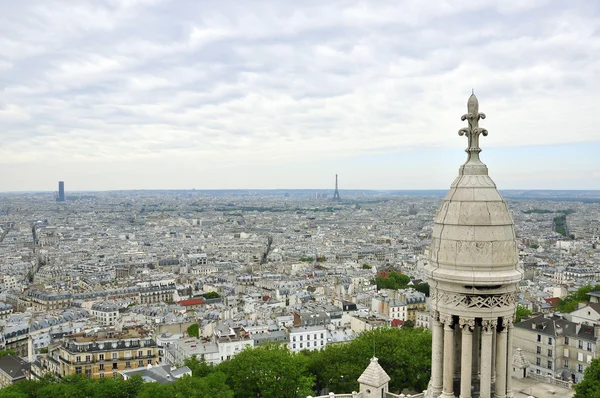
point(488, 326)
point(467, 325)
point(457, 351)
point(437, 354)
point(476, 352)
point(501, 351)
point(494, 335)
point(509, 355)
point(448, 388)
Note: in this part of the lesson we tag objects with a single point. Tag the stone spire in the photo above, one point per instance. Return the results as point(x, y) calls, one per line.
point(473, 165)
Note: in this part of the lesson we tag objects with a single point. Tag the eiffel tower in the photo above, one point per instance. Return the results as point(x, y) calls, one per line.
point(336, 194)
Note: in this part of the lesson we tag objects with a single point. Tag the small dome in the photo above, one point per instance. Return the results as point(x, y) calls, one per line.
point(473, 239)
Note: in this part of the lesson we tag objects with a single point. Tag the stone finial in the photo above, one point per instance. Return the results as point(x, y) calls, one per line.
point(473, 130)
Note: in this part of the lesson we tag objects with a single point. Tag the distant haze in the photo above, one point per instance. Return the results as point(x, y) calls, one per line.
point(151, 94)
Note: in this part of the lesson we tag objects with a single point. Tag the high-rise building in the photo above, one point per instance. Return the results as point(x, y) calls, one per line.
point(473, 276)
point(61, 191)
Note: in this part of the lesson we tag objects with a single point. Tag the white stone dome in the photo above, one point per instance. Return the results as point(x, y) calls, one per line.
point(473, 241)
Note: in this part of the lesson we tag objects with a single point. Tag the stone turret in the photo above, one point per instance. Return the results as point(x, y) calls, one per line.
point(473, 277)
point(374, 380)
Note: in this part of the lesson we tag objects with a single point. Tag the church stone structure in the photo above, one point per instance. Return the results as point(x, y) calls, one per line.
point(473, 277)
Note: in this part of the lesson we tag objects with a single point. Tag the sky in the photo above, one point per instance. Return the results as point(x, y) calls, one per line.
point(159, 94)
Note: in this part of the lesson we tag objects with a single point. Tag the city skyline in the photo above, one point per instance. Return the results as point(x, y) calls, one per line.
point(164, 95)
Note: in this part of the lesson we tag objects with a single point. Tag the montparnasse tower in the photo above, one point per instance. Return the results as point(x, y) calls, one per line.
point(473, 277)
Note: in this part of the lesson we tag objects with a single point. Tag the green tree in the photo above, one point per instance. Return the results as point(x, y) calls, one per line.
point(394, 281)
point(405, 354)
point(367, 266)
point(193, 330)
point(572, 300)
point(211, 295)
point(522, 311)
point(199, 367)
point(5, 353)
point(269, 371)
point(589, 387)
point(423, 288)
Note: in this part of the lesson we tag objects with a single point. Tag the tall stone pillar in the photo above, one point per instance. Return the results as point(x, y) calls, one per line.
point(509, 355)
point(494, 356)
point(476, 352)
point(488, 326)
point(448, 387)
point(501, 351)
point(437, 355)
point(466, 324)
point(457, 351)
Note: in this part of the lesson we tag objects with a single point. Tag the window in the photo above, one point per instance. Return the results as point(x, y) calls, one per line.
point(78, 370)
point(315, 336)
point(550, 353)
point(538, 361)
point(78, 359)
point(88, 372)
point(102, 375)
point(566, 340)
point(308, 344)
point(150, 361)
point(114, 375)
point(300, 338)
point(549, 364)
point(114, 355)
point(321, 335)
point(580, 368)
point(539, 338)
point(589, 346)
point(566, 363)
point(127, 364)
point(115, 365)
point(300, 345)
point(539, 350)
point(101, 366)
point(549, 340)
point(149, 353)
point(88, 358)
point(294, 338)
point(140, 353)
point(580, 345)
point(294, 346)
point(102, 357)
point(141, 363)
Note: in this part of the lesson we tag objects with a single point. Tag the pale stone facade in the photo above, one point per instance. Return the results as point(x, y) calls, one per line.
point(474, 278)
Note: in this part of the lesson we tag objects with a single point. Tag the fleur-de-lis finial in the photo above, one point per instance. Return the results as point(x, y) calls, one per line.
point(473, 130)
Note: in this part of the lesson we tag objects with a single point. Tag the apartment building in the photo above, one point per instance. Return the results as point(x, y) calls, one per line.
point(557, 347)
point(307, 338)
point(104, 354)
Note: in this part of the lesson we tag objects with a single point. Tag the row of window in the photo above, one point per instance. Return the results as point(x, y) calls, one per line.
point(115, 355)
point(580, 343)
point(315, 344)
point(549, 365)
point(307, 337)
point(114, 366)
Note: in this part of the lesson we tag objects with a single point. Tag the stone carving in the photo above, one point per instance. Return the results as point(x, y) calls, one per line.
point(474, 301)
point(447, 320)
point(435, 315)
point(473, 130)
point(508, 322)
point(489, 325)
point(467, 324)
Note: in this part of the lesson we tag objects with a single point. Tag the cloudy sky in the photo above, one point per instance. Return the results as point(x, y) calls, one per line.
point(130, 94)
